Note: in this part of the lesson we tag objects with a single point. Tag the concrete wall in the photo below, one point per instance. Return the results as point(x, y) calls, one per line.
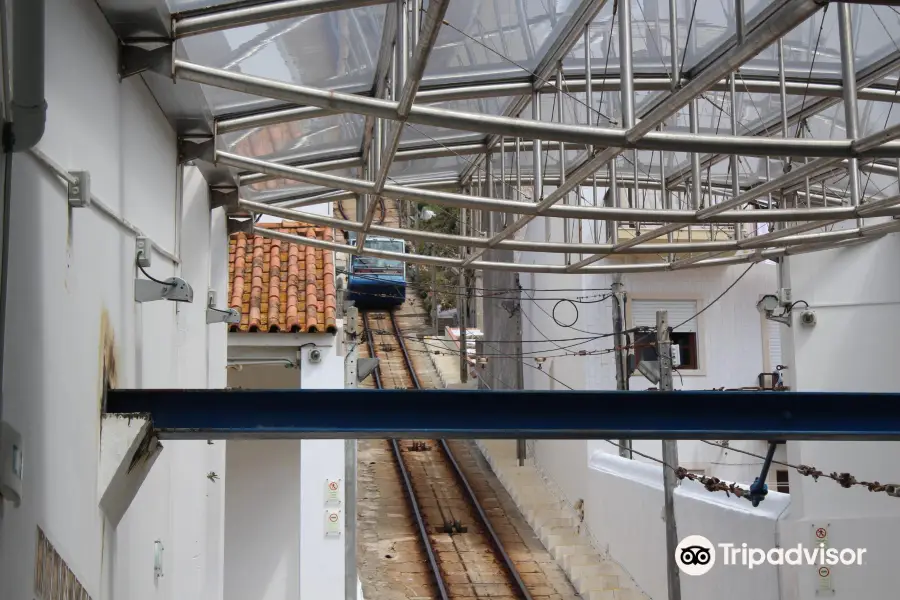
point(855, 294)
point(275, 543)
point(617, 487)
point(71, 277)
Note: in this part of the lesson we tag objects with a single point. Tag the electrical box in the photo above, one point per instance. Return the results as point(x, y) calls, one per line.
point(11, 463)
point(332, 492)
point(784, 296)
point(675, 351)
point(332, 522)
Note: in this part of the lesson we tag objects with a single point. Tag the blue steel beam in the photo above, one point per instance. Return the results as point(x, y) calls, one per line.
point(684, 415)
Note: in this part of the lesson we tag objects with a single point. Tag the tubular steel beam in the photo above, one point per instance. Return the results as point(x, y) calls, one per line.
point(865, 77)
point(786, 236)
point(813, 243)
point(771, 25)
point(681, 415)
point(599, 82)
point(583, 14)
point(515, 207)
point(529, 128)
point(433, 19)
point(239, 14)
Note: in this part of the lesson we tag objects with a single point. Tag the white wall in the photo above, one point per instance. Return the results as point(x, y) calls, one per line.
point(275, 544)
point(855, 293)
point(322, 559)
point(730, 343)
point(624, 513)
point(262, 495)
point(67, 270)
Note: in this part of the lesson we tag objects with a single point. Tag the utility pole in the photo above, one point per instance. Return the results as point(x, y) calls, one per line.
point(621, 352)
point(669, 455)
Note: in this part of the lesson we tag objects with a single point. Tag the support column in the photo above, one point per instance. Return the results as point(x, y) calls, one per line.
point(324, 551)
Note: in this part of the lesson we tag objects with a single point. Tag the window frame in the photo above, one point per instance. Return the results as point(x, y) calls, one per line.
point(700, 371)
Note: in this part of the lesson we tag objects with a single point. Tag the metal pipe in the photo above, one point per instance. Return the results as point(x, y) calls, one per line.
point(696, 192)
point(562, 154)
point(576, 134)
point(463, 305)
point(735, 181)
point(626, 70)
point(848, 72)
point(673, 45)
point(584, 212)
point(238, 14)
point(284, 114)
point(537, 193)
point(28, 106)
point(789, 237)
point(814, 242)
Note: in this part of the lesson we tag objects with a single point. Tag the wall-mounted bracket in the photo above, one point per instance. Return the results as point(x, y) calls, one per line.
point(224, 197)
point(80, 189)
point(196, 148)
point(239, 226)
point(135, 58)
point(173, 288)
point(220, 315)
point(128, 449)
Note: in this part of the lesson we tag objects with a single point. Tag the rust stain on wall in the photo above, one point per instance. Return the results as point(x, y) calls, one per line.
point(109, 374)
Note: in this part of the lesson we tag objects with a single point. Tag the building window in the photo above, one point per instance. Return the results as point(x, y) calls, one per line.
point(781, 481)
point(682, 315)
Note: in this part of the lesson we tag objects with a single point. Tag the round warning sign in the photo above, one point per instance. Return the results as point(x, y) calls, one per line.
point(824, 572)
point(333, 517)
point(821, 533)
point(332, 486)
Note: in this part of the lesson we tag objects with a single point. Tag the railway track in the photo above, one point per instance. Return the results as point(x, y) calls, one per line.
point(464, 554)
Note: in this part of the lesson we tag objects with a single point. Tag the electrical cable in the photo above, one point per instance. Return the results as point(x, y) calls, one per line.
point(845, 480)
point(149, 276)
point(717, 298)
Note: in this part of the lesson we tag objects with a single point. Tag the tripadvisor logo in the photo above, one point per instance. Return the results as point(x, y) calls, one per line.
point(696, 555)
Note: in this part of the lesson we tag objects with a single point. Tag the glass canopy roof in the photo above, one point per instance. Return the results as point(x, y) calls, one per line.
point(671, 96)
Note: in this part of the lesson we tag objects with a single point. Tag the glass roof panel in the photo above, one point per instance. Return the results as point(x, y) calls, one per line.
point(334, 50)
point(481, 36)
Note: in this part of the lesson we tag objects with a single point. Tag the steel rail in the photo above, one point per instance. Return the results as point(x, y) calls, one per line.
point(473, 499)
point(407, 360)
point(482, 516)
point(407, 482)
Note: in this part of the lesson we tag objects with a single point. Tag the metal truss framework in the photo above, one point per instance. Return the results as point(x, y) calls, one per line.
point(820, 184)
point(750, 415)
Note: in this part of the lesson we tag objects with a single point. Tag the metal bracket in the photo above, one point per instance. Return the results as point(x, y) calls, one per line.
point(174, 289)
point(142, 252)
point(220, 315)
point(238, 226)
point(80, 189)
point(196, 148)
point(224, 197)
point(134, 59)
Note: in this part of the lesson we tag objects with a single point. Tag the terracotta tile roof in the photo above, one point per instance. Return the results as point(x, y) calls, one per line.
point(279, 286)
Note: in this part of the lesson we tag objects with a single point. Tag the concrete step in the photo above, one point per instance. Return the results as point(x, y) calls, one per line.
point(555, 525)
point(620, 594)
point(600, 583)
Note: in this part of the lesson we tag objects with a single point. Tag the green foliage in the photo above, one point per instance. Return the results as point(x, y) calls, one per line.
point(445, 220)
